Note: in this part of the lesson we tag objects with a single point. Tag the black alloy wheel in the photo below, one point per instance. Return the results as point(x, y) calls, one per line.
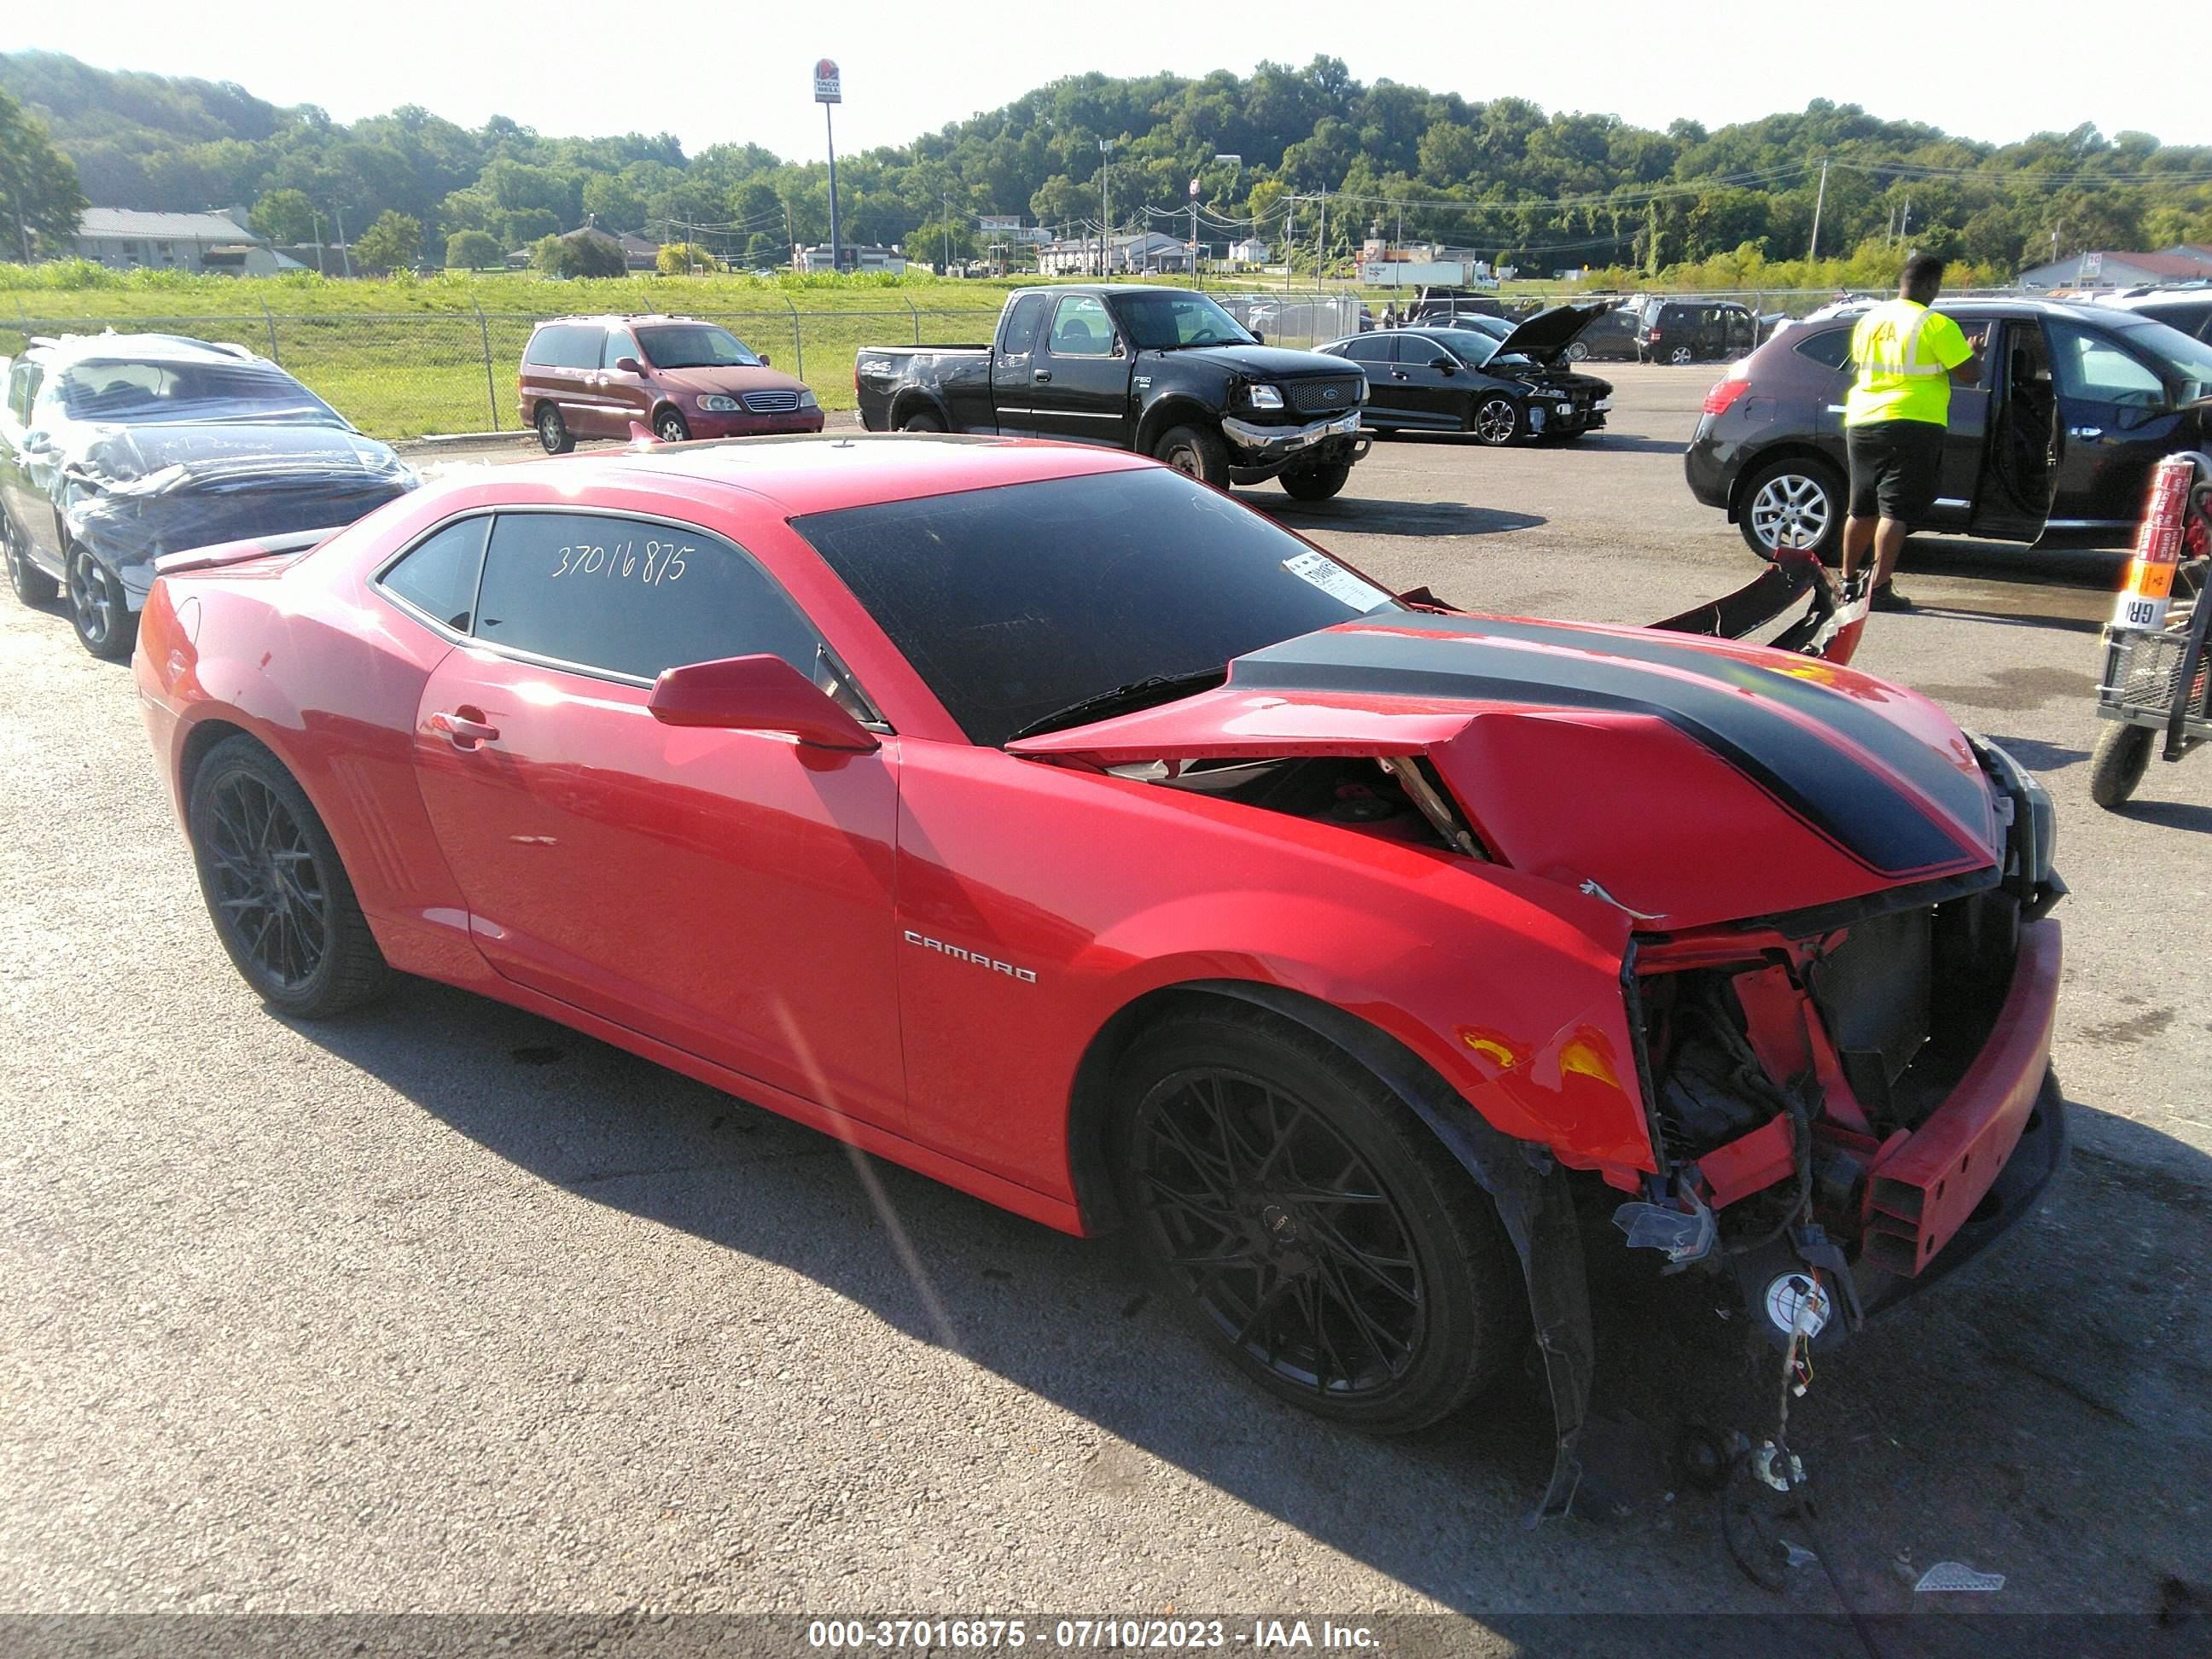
point(279, 897)
point(671, 427)
point(1496, 420)
point(1327, 1246)
point(98, 609)
point(32, 585)
point(553, 432)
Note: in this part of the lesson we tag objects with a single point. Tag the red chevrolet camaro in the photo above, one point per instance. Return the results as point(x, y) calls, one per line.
point(1044, 820)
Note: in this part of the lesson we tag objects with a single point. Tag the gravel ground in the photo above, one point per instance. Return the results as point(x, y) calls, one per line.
point(443, 1308)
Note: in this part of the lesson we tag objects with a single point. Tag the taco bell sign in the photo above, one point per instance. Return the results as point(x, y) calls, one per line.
point(826, 83)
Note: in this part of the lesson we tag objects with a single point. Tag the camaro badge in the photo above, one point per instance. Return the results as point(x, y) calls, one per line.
point(1027, 975)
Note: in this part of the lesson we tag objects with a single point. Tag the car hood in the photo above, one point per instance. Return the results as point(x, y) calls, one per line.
point(732, 380)
point(1548, 333)
point(137, 492)
point(1689, 781)
point(1263, 363)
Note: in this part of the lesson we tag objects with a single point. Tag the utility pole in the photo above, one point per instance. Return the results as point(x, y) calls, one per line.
point(1321, 240)
point(346, 253)
point(1905, 224)
point(1105, 207)
point(790, 236)
point(1820, 201)
point(316, 214)
point(946, 197)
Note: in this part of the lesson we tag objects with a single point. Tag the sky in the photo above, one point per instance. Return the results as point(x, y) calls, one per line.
point(742, 72)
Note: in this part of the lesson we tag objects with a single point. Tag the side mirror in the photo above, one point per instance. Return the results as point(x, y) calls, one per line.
point(1258, 338)
point(630, 366)
point(756, 694)
point(763, 357)
point(1444, 363)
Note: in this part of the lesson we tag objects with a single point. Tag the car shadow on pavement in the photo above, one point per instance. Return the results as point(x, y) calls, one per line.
point(1979, 1423)
point(1378, 518)
point(2171, 814)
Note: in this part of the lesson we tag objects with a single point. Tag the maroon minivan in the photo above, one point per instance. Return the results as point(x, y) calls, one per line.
point(593, 377)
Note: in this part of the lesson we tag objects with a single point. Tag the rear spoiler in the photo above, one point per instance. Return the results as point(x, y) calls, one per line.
point(219, 554)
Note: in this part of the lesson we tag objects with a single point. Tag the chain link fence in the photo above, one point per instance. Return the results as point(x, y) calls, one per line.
point(411, 374)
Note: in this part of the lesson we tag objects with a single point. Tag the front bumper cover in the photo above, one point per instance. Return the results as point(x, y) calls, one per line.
point(1274, 446)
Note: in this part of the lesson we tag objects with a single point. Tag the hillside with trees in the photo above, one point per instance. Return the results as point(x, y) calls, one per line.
point(1540, 190)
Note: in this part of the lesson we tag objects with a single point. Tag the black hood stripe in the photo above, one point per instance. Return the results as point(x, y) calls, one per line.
point(1856, 805)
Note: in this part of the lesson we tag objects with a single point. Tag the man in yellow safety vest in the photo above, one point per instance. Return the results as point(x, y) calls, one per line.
point(1894, 421)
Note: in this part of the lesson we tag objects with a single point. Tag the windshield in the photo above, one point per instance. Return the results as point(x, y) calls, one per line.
point(1013, 602)
point(1471, 346)
point(2189, 359)
point(128, 393)
point(694, 345)
point(1161, 322)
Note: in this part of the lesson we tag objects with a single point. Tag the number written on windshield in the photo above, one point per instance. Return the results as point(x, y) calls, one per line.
point(653, 563)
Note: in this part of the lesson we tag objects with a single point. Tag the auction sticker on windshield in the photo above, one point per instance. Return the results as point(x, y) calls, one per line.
point(1334, 580)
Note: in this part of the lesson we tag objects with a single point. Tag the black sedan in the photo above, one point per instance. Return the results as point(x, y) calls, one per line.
point(117, 448)
point(1464, 379)
point(2051, 441)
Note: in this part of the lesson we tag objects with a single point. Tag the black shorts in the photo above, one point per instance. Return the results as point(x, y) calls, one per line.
point(1894, 466)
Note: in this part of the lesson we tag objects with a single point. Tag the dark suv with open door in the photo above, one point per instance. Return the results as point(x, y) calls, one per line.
point(2052, 443)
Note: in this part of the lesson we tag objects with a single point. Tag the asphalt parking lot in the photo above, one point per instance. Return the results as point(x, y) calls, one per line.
point(444, 1308)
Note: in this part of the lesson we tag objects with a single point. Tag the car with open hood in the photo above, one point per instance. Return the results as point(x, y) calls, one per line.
point(116, 449)
point(677, 377)
point(1039, 819)
point(1503, 388)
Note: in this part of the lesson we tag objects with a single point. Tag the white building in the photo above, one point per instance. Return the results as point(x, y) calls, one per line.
point(1009, 227)
point(1150, 253)
point(1249, 252)
point(125, 238)
point(864, 256)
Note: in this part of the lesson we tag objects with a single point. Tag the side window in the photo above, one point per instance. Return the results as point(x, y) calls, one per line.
point(1977, 330)
point(628, 596)
point(1831, 349)
point(439, 578)
point(2090, 367)
point(618, 344)
point(1020, 328)
point(544, 350)
point(1080, 327)
point(1373, 348)
point(22, 389)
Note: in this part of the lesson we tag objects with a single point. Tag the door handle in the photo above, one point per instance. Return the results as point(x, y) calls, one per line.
point(2085, 432)
point(1400, 375)
point(465, 727)
point(1041, 374)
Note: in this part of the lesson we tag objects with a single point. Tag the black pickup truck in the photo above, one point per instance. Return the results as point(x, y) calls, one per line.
point(1163, 371)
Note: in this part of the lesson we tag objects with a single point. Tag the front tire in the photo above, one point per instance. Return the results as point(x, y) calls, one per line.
point(1681, 355)
point(1578, 352)
point(1496, 420)
point(1196, 453)
point(1316, 483)
point(32, 585)
point(98, 608)
point(553, 433)
point(1315, 1233)
point(671, 427)
point(279, 896)
point(1795, 502)
point(2117, 764)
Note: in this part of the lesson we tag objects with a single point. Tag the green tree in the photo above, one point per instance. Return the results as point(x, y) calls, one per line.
point(525, 227)
point(393, 240)
point(676, 259)
point(580, 254)
point(284, 216)
point(470, 249)
point(39, 188)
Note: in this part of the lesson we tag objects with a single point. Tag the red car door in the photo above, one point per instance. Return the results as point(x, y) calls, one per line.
point(726, 892)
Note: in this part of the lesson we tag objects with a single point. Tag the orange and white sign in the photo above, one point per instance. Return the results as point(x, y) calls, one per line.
point(2143, 601)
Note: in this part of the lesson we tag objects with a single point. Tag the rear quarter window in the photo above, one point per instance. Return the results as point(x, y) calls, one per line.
point(1831, 347)
point(564, 345)
point(438, 576)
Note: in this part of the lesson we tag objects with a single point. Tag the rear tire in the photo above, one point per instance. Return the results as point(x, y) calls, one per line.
point(2117, 763)
point(98, 610)
point(1196, 453)
point(275, 888)
point(553, 433)
point(1316, 483)
point(1312, 1230)
point(1801, 497)
point(32, 585)
point(922, 420)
